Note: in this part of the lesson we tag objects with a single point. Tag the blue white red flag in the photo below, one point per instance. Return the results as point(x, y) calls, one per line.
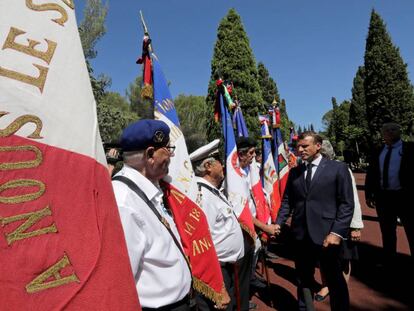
point(180, 189)
point(281, 155)
point(234, 183)
point(270, 176)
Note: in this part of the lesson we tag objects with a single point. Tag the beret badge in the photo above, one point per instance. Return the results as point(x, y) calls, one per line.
point(158, 137)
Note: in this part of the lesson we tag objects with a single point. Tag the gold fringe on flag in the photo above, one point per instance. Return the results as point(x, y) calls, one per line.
point(207, 291)
point(147, 92)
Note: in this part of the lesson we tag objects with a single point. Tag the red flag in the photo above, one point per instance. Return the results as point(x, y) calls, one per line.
point(61, 241)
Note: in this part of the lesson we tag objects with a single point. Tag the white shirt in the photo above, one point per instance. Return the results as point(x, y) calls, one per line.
point(224, 227)
point(161, 273)
point(315, 164)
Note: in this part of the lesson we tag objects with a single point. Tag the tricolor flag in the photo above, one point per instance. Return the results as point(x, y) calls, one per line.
point(180, 190)
point(262, 208)
point(281, 155)
point(61, 242)
point(234, 176)
point(238, 120)
point(270, 176)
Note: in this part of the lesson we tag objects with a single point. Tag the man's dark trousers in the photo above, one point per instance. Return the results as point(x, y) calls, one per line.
point(308, 254)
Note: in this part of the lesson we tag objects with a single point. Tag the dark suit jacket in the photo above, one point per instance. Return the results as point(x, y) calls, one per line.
point(373, 177)
point(327, 207)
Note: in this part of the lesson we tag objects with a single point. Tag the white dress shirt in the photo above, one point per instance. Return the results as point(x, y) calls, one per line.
point(224, 227)
point(161, 273)
point(315, 164)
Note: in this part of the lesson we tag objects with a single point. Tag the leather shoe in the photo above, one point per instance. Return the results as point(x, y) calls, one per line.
point(252, 305)
point(320, 297)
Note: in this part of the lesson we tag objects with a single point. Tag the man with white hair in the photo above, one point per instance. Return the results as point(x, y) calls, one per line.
point(159, 266)
point(224, 227)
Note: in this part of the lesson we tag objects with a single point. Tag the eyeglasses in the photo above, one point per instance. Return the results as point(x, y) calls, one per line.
point(170, 149)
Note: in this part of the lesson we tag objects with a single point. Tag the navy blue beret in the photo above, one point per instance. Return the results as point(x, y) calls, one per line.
point(245, 142)
point(145, 133)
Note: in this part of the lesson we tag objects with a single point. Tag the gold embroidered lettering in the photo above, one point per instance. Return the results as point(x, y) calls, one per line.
point(201, 246)
point(51, 7)
point(23, 164)
point(38, 82)
point(21, 232)
point(204, 244)
point(29, 49)
point(19, 122)
point(39, 283)
point(69, 3)
point(196, 249)
point(189, 229)
point(24, 197)
point(195, 214)
point(178, 196)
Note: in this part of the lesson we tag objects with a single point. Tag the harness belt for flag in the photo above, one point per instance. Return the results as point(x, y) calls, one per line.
point(142, 195)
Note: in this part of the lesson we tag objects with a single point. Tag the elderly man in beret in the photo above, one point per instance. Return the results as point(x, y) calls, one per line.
point(161, 272)
point(224, 227)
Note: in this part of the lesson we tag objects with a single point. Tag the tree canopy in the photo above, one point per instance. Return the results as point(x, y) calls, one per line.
point(233, 61)
point(388, 91)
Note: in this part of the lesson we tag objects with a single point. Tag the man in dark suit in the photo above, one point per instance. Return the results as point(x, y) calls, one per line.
point(319, 194)
point(389, 187)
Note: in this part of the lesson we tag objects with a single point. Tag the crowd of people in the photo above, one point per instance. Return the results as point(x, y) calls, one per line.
point(320, 203)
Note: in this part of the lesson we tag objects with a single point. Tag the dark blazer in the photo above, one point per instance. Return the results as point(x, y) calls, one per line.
point(327, 207)
point(373, 177)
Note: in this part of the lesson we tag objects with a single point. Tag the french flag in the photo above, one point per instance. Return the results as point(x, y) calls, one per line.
point(270, 176)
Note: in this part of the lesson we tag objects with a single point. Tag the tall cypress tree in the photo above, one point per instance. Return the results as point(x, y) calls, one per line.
point(270, 93)
point(358, 131)
point(388, 91)
point(233, 60)
point(267, 85)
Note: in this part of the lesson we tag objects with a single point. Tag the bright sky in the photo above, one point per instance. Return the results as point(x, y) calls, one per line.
point(312, 49)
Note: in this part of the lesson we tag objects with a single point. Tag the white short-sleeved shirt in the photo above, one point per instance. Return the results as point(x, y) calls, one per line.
point(161, 273)
point(224, 227)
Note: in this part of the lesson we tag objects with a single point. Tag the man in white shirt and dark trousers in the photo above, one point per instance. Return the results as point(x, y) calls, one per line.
point(224, 227)
point(160, 269)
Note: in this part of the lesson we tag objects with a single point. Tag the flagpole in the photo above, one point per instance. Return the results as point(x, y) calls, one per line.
point(146, 32)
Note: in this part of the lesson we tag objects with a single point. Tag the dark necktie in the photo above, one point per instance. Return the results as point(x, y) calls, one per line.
point(385, 168)
point(308, 175)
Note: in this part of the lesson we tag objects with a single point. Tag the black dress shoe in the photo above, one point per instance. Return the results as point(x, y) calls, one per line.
point(320, 297)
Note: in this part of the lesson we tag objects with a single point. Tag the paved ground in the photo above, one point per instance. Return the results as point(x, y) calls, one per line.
point(371, 288)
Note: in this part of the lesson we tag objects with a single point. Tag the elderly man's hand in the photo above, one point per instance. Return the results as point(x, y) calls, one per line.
point(225, 301)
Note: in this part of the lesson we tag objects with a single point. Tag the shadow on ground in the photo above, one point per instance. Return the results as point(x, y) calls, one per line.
point(392, 280)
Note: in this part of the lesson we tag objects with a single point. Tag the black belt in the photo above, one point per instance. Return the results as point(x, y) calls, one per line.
point(182, 302)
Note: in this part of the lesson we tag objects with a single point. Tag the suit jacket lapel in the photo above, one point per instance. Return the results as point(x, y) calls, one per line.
point(318, 172)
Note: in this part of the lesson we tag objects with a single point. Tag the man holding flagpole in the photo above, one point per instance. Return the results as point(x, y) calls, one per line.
point(162, 274)
point(224, 227)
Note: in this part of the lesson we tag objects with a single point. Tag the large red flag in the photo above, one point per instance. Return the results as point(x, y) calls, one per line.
point(61, 240)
